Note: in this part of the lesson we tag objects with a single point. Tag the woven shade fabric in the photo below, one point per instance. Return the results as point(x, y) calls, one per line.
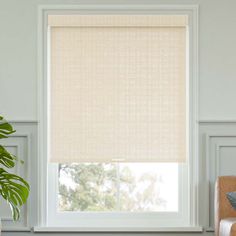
point(117, 88)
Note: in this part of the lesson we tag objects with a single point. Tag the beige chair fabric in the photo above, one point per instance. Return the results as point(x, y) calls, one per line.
point(233, 229)
point(224, 212)
point(227, 227)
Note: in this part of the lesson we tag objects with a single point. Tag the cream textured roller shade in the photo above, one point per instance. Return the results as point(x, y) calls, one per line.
point(117, 88)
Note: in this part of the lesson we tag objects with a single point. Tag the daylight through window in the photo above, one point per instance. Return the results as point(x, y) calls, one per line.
point(130, 187)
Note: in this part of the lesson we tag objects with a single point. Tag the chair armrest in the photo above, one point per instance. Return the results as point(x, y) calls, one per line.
point(223, 209)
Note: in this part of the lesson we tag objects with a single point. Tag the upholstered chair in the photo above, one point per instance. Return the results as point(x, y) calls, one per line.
point(225, 215)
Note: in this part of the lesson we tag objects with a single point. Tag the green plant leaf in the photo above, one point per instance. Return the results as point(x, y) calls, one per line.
point(5, 128)
point(7, 159)
point(15, 210)
point(15, 190)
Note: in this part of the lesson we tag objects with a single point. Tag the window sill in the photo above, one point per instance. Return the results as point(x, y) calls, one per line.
point(107, 229)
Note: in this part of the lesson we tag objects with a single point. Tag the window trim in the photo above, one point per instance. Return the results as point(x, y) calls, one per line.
point(191, 229)
point(192, 12)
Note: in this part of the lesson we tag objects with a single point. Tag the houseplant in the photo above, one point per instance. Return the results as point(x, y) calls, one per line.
point(13, 188)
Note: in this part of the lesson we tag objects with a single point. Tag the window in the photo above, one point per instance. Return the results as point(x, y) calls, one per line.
point(132, 187)
point(118, 147)
point(114, 195)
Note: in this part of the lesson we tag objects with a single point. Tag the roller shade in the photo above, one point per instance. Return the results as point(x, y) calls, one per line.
point(117, 88)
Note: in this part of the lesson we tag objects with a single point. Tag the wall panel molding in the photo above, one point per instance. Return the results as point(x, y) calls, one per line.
point(200, 121)
point(16, 121)
point(214, 142)
point(23, 143)
point(215, 121)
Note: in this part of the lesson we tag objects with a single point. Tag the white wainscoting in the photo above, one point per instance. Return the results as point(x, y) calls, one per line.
point(23, 143)
point(217, 157)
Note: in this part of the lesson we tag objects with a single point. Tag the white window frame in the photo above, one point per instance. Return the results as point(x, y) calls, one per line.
point(117, 219)
point(190, 221)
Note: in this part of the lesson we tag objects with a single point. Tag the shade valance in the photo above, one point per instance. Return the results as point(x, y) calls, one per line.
point(117, 21)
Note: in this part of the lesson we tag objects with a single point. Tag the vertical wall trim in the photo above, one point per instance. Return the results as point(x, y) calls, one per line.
point(216, 168)
point(28, 205)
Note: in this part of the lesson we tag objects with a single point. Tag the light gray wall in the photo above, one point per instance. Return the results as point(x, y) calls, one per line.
point(217, 78)
point(18, 54)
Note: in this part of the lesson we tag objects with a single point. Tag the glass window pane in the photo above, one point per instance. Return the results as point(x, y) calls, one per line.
point(151, 187)
point(128, 187)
